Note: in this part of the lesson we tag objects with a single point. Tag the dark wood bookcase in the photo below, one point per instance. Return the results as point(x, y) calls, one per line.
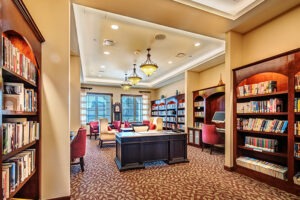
point(280, 68)
point(19, 28)
point(172, 111)
point(205, 103)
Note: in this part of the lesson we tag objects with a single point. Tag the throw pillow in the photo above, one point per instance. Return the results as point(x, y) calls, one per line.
point(152, 126)
point(109, 128)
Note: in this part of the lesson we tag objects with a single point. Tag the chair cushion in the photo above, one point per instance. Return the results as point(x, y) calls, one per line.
point(152, 126)
point(108, 137)
point(108, 128)
point(126, 124)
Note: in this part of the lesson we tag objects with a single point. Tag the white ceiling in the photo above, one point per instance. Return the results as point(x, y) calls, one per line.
point(91, 25)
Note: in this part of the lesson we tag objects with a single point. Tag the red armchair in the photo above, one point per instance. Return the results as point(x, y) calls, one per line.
point(117, 125)
point(210, 136)
point(78, 148)
point(94, 129)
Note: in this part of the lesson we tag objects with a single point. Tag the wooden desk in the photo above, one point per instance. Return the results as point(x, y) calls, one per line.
point(133, 149)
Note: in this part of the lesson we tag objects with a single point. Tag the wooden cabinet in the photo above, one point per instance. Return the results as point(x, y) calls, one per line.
point(172, 110)
point(265, 118)
point(21, 110)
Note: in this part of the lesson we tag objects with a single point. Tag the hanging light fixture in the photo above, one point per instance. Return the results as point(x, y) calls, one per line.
point(126, 85)
point(134, 78)
point(148, 67)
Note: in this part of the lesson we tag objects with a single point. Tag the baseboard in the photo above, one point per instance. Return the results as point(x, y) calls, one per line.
point(228, 168)
point(62, 198)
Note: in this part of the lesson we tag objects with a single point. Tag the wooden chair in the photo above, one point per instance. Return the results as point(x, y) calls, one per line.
point(210, 136)
point(78, 148)
point(105, 134)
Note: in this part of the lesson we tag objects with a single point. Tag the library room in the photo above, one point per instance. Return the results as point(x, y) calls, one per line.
point(176, 99)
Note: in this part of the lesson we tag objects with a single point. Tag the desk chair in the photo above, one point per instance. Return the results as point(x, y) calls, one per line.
point(94, 129)
point(78, 148)
point(210, 136)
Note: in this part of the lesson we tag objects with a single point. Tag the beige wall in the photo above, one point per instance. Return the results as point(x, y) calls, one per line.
point(273, 38)
point(211, 76)
point(170, 90)
point(116, 91)
point(75, 93)
point(53, 22)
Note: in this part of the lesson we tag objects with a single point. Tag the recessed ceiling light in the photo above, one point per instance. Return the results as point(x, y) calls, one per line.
point(99, 75)
point(197, 44)
point(170, 62)
point(106, 52)
point(115, 27)
point(107, 42)
point(102, 66)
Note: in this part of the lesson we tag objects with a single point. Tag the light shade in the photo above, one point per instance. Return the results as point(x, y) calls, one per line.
point(148, 67)
point(134, 78)
point(126, 85)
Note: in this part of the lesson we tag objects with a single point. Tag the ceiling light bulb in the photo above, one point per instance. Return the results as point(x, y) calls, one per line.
point(170, 62)
point(115, 27)
point(106, 52)
point(197, 44)
point(102, 66)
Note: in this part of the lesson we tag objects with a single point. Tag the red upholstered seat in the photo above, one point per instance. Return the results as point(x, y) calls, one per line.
point(78, 147)
point(210, 136)
point(117, 125)
point(127, 124)
point(94, 128)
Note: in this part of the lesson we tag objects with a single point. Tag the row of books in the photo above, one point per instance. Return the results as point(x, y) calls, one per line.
point(18, 98)
point(198, 125)
point(18, 132)
point(296, 178)
point(259, 124)
point(264, 167)
point(264, 87)
point(181, 119)
point(154, 113)
point(199, 104)
point(261, 144)
point(181, 105)
point(297, 149)
point(199, 114)
point(16, 170)
point(270, 106)
point(170, 126)
point(162, 107)
point(181, 126)
point(180, 112)
point(171, 112)
point(17, 62)
point(171, 119)
point(297, 128)
point(297, 82)
point(297, 105)
point(171, 106)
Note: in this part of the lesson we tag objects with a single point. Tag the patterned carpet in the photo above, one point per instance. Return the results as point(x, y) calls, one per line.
point(202, 178)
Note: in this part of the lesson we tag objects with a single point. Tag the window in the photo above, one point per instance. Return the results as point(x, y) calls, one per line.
point(132, 108)
point(98, 106)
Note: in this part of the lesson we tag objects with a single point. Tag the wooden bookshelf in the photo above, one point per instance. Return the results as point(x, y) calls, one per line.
point(269, 78)
point(205, 102)
point(172, 110)
point(21, 64)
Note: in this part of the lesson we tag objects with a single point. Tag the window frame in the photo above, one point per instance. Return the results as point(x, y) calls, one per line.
point(130, 95)
point(111, 104)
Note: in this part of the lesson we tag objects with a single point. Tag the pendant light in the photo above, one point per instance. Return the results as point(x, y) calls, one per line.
point(126, 85)
point(134, 78)
point(148, 67)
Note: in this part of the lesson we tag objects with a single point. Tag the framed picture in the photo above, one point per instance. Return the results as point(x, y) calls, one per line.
point(117, 107)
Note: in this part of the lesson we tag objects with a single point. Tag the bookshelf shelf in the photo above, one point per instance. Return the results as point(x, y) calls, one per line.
point(297, 136)
point(296, 158)
point(14, 77)
point(278, 76)
point(263, 133)
point(20, 61)
point(264, 95)
point(12, 194)
point(10, 112)
point(277, 154)
point(264, 114)
point(15, 152)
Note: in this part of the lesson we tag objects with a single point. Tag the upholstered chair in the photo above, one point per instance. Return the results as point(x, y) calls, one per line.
point(210, 136)
point(117, 125)
point(78, 148)
point(105, 134)
point(94, 129)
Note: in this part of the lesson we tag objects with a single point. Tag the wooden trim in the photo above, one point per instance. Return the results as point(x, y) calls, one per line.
point(230, 169)
point(209, 88)
point(62, 198)
point(25, 13)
